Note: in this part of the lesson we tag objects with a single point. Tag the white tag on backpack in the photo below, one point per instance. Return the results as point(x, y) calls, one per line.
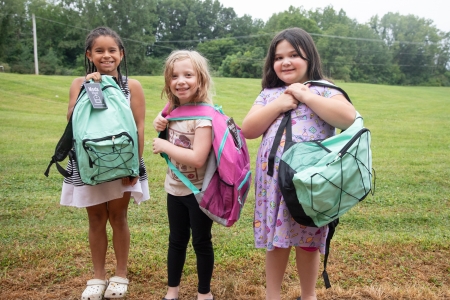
point(94, 91)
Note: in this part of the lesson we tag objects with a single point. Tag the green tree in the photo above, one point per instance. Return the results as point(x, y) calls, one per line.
point(243, 65)
point(414, 43)
point(16, 37)
point(328, 17)
point(293, 17)
point(133, 20)
point(52, 19)
point(49, 64)
point(216, 50)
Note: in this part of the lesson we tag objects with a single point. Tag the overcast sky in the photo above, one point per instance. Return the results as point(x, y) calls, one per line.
point(436, 10)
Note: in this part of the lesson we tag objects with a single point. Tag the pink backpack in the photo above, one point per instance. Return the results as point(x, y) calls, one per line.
point(228, 177)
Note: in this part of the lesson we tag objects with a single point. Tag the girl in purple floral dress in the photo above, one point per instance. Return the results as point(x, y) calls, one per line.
point(292, 59)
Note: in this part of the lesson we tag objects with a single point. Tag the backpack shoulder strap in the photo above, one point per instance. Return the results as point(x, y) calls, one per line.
point(325, 83)
point(188, 111)
point(180, 175)
point(64, 146)
point(285, 123)
point(331, 230)
point(191, 111)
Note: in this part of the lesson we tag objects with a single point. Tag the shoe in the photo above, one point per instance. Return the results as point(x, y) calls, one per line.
point(117, 288)
point(169, 299)
point(94, 289)
point(299, 298)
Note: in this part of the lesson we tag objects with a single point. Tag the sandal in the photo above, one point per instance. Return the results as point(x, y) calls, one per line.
point(94, 289)
point(117, 287)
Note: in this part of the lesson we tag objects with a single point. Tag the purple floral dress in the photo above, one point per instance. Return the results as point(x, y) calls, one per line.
point(273, 225)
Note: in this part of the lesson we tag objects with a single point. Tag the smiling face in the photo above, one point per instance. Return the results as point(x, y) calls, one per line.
point(184, 81)
point(106, 55)
point(288, 65)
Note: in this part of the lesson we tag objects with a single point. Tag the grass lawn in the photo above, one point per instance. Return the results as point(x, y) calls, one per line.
point(393, 245)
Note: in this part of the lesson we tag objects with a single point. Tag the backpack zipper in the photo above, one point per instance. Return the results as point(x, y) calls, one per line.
point(109, 137)
point(349, 144)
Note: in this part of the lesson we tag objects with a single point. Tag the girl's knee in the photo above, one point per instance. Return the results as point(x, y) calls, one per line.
point(203, 247)
point(97, 218)
point(118, 220)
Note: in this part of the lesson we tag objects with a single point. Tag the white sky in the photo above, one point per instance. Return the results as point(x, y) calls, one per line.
point(436, 10)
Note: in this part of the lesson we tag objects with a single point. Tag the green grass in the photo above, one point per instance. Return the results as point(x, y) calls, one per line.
point(400, 230)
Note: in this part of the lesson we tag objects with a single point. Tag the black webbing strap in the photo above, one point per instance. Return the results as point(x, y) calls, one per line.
point(276, 142)
point(64, 146)
point(331, 230)
point(60, 169)
point(328, 85)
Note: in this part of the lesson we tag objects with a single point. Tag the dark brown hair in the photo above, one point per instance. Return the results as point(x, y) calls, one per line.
point(94, 34)
point(301, 41)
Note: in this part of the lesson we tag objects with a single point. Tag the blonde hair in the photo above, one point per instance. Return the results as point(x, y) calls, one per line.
point(200, 65)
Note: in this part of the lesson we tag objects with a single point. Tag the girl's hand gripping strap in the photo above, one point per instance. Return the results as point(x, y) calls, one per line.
point(286, 123)
point(329, 85)
point(184, 179)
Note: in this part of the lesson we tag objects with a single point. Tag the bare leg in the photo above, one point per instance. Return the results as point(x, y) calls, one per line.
point(204, 296)
point(307, 268)
point(172, 292)
point(118, 210)
point(276, 263)
point(98, 240)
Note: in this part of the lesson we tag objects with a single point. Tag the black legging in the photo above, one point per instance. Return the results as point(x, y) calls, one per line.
point(185, 214)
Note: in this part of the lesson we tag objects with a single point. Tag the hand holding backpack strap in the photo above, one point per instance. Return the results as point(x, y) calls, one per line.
point(285, 123)
point(327, 84)
point(181, 176)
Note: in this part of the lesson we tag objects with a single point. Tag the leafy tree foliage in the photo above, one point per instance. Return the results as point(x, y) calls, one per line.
point(391, 49)
point(414, 43)
point(293, 17)
point(244, 65)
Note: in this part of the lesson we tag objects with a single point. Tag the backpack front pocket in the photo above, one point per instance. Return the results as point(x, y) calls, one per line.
point(109, 157)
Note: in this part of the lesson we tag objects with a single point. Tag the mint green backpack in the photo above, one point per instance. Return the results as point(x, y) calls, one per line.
point(104, 142)
point(323, 179)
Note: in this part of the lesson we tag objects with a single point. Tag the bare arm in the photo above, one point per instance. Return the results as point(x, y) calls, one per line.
point(259, 118)
point(73, 94)
point(338, 113)
point(138, 108)
point(195, 157)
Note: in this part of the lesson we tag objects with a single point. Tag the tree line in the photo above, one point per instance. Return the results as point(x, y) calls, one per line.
point(390, 49)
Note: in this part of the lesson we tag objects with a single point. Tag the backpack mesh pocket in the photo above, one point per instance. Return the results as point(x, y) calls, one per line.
point(109, 157)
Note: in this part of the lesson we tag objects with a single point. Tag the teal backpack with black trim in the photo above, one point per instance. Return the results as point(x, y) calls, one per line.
point(320, 180)
point(104, 142)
